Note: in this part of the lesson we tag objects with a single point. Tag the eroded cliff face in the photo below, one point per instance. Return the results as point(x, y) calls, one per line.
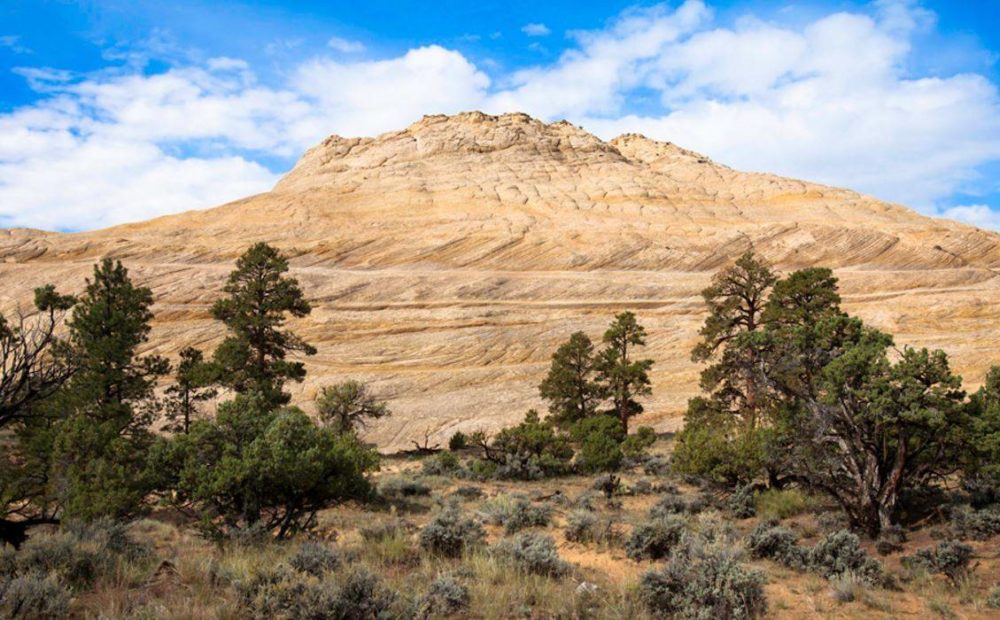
point(447, 261)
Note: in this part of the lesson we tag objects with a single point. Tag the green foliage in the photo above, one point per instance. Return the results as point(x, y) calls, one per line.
point(256, 467)
point(515, 513)
point(193, 381)
point(656, 539)
point(983, 467)
point(101, 436)
point(533, 553)
point(253, 358)
point(570, 387)
point(447, 596)
point(33, 596)
point(709, 583)
point(529, 451)
point(782, 503)
point(600, 440)
point(713, 444)
point(636, 444)
point(450, 533)
point(458, 441)
point(950, 558)
point(624, 379)
point(776, 543)
point(348, 406)
point(840, 553)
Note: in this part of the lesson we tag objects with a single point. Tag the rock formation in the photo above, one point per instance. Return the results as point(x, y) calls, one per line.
point(446, 261)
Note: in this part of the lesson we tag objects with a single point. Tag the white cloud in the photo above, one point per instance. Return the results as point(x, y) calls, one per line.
point(977, 215)
point(345, 45)
point(536, 30)
point(13, 43)
point(830, 101)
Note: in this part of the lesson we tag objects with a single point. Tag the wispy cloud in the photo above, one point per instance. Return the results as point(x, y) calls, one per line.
point(13, 43)
point(536, 30)
point(345, 46)
point(830, 100)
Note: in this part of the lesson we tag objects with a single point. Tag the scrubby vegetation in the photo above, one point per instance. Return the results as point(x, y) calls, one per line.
point(816, 443)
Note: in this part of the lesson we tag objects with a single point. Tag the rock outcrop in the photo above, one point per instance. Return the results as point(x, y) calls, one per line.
point(446, 261)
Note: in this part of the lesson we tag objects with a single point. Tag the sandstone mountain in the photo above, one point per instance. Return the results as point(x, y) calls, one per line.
point(446, 261)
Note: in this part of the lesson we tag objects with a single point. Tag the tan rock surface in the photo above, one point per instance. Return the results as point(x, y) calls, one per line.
point(446, 261)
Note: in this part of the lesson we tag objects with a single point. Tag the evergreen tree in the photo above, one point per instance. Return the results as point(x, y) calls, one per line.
point(570, 388)
point(193, 381)
point(253, 357)
point(623, 378)
point(347, 406)
point(105, 409)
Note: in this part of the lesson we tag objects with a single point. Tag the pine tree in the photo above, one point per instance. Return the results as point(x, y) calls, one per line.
point(570, 388)
point(193, 384)
point(623, 378)
point(100, 441)
point(253, 357)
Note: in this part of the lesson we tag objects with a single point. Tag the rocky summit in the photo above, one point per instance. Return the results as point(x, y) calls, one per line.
point(446, 262)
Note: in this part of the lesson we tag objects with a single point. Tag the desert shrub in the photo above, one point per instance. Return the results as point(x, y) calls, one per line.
point(672, 504)
point(447, 596)
point(776, 543)
point(283, 594)
point(314, 558)
point(585, 526)
point(533, 553)
point(976, 524)
point(636, 445)
point(441, 464)
point(468, 492)
point(781, 503)
point(608, 484)
point(655, 539)
point(950, 558)
point(458, 441)
point(398, 487)
point(839, 553)
point(656, 466)
point(77, 554)
point(33, 596)
point(707, 584)
point(741, 502)
point(515, 513)
point(847, 588)
point(584, 501)
point(642, 487)
point(450, 533)
point(993, 598)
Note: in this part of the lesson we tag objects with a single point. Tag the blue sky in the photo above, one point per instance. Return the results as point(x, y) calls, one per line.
point(114, 111)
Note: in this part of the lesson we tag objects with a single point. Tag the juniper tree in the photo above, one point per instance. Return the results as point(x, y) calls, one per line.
point(260, 298)
point(623, 378)
point(349, 405)
point(100, 440)
point(570, 386)
point(33, 367)
point(193, 384)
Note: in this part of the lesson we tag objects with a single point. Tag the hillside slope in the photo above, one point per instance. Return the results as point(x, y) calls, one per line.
point(446, 261)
